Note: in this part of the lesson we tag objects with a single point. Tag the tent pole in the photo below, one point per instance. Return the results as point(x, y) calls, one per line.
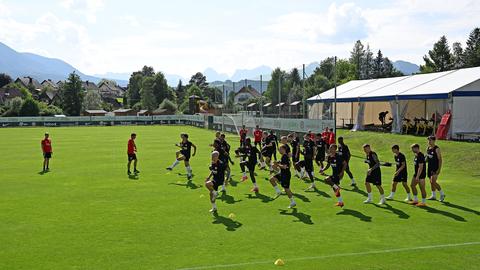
point(335, 98)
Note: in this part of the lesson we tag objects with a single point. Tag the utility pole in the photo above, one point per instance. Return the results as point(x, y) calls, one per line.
point(233, 109)
point(335, 98)
point(224, 99)
point(279, 94)
point(261, 96)
point(304, 106)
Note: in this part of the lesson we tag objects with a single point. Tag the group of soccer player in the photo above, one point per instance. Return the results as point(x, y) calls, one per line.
point(319, 147)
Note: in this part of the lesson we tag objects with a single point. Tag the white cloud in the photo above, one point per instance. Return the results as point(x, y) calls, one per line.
point(87, 8)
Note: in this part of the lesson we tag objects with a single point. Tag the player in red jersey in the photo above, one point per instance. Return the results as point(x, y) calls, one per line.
point(46, 145)
point(257, 135)
point(132, 154)
point(243, 135)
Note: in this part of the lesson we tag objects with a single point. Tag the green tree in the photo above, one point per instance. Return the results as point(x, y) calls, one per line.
point(345, 71)
point(29, 107)
point(13, 107)
point(272, 92)
point(378, 65)
point(439, 58)
point(357, 58)
point(180, 92)
point(472, 50)
point(147, 94)
point(168, 105)
point(147, 71)
point(48, 110)
point(199, 80)
point(367, 64)
point(4, 79)
point(133, 88)
point(72, 95)
point(160, 88)
point(294, 79)
point(92, 100)
point(458, 55)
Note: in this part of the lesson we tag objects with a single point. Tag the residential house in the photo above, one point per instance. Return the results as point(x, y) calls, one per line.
point(49, 92)
point(7, 93)
point(111, 93)
point(94, 113)
point(31, 84)
point(245, 94)
point(124, 112)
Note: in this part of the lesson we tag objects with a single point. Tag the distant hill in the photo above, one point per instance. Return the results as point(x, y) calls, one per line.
point(18, 64)
point(405, 67)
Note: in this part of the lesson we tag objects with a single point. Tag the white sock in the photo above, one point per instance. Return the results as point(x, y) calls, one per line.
point(370, 196)
point(189, 170)
point(340, 199)
point(292, 200)
point(255, 184)
point(214, 205)
point(277, 189)
point(423, 200)
point(415, 198)
point(409, 196)
point(382, 196)
point(391, 194)
point(244, 174)
point(335, 186)
point(434, 194)
point(441, 192)
point(353, 181)
point(175, 163)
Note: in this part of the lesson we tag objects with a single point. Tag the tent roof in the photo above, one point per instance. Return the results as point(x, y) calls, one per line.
point(421, 86)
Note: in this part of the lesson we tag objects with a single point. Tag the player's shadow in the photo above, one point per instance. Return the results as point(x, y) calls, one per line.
point(230, 224)
point(233, 183)
point(463, 208)
point(185, 175)
point(443, 213)
point(357, 190)
point(188, 184)
point(263, 198)
point(42, 172)
point(319, 192)
point(395, 211)
point(228, 198)
point(133, 176)
point(301, 197)
point(302, 217)
point(354, 213)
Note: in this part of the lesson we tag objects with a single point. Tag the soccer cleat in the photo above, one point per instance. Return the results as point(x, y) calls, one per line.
point(382, 201)
point(421, 204)
point(169, 168)
point(277, 194)
point(136, 171)
point(389, 197)
point(189, 177)
point(312, 186)
point(367, 200)
point(292, 205)
point(407, 199)
point(432, 198)
point(442, 197)
point(244, 178)
point(413, 202)
point(353, 184)
point(255, 189)
point(213, 210)
point(129, 172)
point(340, 204)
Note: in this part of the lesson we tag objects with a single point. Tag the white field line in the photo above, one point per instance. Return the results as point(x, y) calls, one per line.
point(333, 256)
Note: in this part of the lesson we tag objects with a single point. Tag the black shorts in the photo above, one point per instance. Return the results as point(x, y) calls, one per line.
point(132, 157)
point(251, 166)
point(320, 156)
point(307, 164)
point(284, 179)
point(47, 155)
point(217, 183)
point(267, 153)
point(258, 143)
point(431, 171)
point(422, 176)
point(374, 178)
point(403, 177)
point(185, 155)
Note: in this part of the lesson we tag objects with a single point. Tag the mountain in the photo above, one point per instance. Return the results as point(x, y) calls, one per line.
point(18, 64)
point(405, 67)
point(172, 79)
point(241, 74)
point(213, 75)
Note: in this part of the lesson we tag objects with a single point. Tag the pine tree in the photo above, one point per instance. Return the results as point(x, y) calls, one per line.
point(72, 94)
point(458, 56)
point(357, 56)
point(367, 64)
point(472, 50)
point(378, 65)
point(439, 58)
point(148, 99)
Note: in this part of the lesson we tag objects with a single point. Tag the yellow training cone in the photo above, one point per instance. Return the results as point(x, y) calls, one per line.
point(201, 195)
point(279, 262)
point(231, 216)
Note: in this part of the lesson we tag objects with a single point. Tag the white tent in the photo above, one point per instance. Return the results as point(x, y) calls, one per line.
point(422, 95)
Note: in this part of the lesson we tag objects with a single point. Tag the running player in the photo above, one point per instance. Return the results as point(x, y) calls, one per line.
point(223, 156)
point(226, 147)
point(243, 135)
point(274, 140)
point(320, 150)
point(217, 171)
point(419, 176)
point(295, 143)
point(251, 153)
point(184, 154)
point(283, 177)
point(401, 174)
point(46, 145)
point(284, 141)
point(132, 154)
point(374, 175)
point(307, 163)
point(434, 160)
point(344, 152)
point(267, 150)
point(257, 134)
point(338, 165)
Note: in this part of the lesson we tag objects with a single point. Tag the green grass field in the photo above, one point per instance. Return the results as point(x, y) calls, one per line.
point(88, 214)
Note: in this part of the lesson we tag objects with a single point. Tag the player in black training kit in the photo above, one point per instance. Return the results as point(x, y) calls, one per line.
point(184, 154)
point(217, 171)
point(320, 151)
point(419, 176)
point(374, 175)
point(434, 160)
point(223, 157)
point(401, 173)
point(250, 153)
point(226, 148)
point(267, 149)
point(295, 144)
point(307, 162)
point(344, 152)
point(274, 140)
point(283, 177)
point(338, 165)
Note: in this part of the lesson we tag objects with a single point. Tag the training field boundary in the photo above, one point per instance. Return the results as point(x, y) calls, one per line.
point(383, 251)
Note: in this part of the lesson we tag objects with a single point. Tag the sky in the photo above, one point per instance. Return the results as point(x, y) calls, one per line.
point(186, 36)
